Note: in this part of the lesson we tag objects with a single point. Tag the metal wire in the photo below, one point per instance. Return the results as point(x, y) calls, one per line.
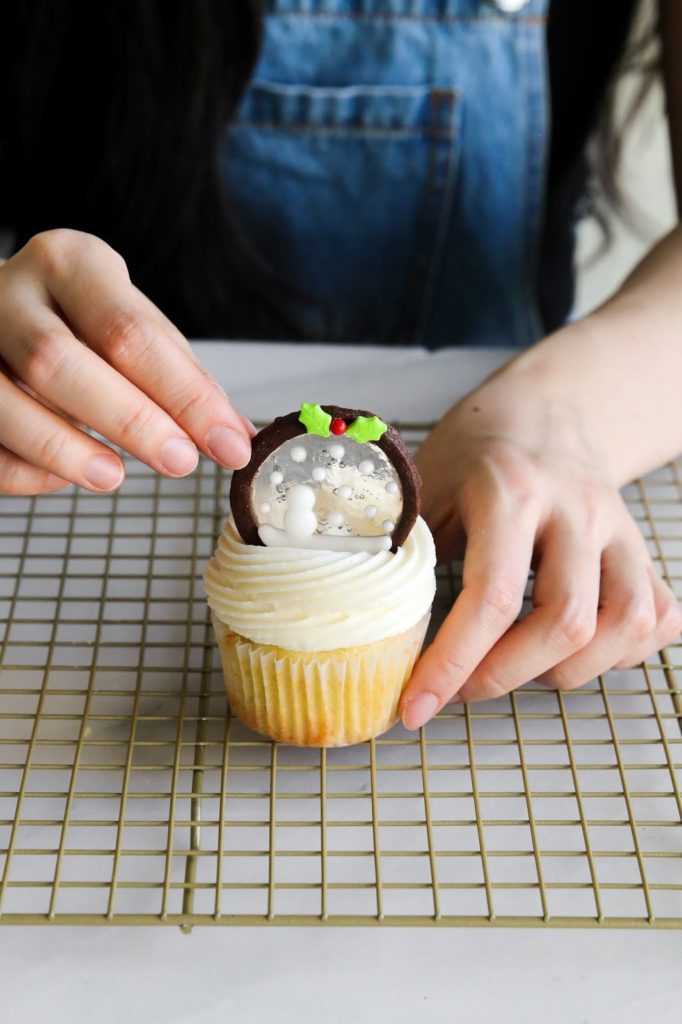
point(128, 795)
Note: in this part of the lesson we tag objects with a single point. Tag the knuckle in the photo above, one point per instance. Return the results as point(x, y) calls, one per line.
point(91, 244)
point(136, 421)
point(451, 669)
point(560, 679)
point(527, 502)
point(10, 475)
point(52, 248)
point(631, 660)
point(128, 338)
point(503, 475)
point(488, 686)
point(637, 616)
point(670, 622)
point(502, 599)
point(575, 623)
point(43, 359)
point(511, 468)
point(51, 448)
point(195, 404)
point(209, 381)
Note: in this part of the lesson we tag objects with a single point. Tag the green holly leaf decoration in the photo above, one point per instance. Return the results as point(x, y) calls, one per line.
point(315, 419)
point(366, 428)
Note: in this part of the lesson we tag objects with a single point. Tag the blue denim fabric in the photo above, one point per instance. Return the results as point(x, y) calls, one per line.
point(388, 161)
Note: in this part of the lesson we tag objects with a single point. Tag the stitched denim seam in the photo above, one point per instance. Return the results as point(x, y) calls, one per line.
point(440, 227)
point(531, 48)
point(446, 19)
point(428, 131)
point(414, 297)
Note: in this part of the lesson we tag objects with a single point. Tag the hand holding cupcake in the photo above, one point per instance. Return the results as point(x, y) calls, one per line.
point(322, 582)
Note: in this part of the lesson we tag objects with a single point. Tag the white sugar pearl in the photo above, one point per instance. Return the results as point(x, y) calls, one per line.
point(337, 451)
point(319, 474)
point(276, 478)
point(366, 467)
point(265, 507)
point(371, 511)
point(335, 519)
point(391, 487)
point(388, 525)
point(344, 491)
point(299, 454)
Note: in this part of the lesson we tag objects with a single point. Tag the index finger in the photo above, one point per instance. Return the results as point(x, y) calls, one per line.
point(92, 288)
point(497, 562)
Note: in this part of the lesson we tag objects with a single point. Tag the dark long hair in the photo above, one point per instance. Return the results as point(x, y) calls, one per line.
point(111, 118)
point(112, 114)
point(638, 67)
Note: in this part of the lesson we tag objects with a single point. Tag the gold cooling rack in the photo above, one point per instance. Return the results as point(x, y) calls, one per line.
point(129, 796)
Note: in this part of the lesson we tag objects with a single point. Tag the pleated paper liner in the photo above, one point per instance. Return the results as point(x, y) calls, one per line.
point(319, 698)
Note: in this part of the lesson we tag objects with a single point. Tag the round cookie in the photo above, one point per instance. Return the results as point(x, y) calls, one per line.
point(364, 482)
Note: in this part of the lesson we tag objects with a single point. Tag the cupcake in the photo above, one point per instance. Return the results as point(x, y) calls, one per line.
point(321, 585)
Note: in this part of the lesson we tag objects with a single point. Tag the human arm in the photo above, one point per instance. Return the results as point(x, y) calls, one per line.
point(526, 470)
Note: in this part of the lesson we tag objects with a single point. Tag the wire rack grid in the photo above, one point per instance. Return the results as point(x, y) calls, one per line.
point(129, 795)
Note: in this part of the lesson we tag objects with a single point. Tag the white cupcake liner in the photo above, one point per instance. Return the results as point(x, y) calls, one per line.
point(318, 699)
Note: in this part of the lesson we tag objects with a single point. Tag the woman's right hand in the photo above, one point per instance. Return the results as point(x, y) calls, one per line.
point(79, 344)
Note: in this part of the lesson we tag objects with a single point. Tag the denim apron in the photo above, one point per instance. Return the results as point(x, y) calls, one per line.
point(388, 163)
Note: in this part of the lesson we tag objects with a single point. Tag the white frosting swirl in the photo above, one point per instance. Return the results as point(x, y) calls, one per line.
point(310, 600)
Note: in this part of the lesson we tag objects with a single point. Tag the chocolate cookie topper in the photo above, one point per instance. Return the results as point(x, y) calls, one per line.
point(330, 478)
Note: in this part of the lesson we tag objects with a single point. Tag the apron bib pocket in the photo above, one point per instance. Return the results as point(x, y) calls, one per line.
point(345, 192)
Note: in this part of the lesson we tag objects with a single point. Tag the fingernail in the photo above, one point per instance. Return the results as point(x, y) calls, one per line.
point(103, 472)
point(419, 710)
point(228, 447)
point(250, 429)
point(178, 456)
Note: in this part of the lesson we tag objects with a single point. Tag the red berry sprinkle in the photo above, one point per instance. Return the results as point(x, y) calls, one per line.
point(338, 427)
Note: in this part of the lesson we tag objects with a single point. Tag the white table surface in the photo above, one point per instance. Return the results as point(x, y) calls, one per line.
point(102, 975)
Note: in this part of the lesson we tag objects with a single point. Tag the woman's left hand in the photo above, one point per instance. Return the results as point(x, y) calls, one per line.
point(515, 484)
